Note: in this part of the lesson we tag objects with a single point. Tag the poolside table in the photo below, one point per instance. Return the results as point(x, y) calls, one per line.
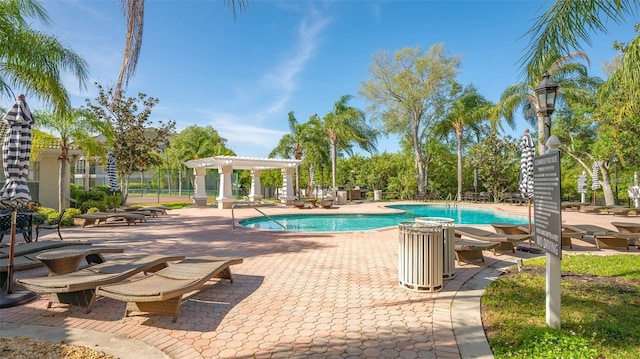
point(67, 260)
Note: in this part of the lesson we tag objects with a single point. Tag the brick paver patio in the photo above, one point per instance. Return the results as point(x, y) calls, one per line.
point(297, 295)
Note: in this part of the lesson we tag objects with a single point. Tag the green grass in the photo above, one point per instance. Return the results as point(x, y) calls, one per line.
point(600, 310)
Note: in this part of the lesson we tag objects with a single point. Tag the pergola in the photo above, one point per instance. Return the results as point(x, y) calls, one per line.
point(225, 166)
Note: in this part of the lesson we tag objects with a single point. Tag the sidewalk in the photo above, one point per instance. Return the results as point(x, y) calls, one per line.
point(299, 295)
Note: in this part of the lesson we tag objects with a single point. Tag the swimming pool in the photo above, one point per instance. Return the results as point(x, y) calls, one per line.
point(363, 222)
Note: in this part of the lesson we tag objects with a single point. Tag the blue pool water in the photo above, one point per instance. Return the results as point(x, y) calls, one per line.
point(361, 222)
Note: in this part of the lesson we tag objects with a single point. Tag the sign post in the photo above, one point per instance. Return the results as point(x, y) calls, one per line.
point(582, 186)
point(548, 224)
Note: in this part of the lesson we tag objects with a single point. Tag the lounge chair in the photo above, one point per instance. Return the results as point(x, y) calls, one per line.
point(566, 205)
point(602, 236)
point(33, 247)
point(620, 210)
point(593, 209)
point(628, 227)
point(467, 250)
point(78, 288)
point(162, 291)
point(26, 258)
point(104, 217)
point(326, 203)
point(506, 241)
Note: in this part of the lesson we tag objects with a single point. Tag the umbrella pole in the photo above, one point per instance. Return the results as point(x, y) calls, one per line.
point(11, 298)
point(12, 243)
point(530, 233)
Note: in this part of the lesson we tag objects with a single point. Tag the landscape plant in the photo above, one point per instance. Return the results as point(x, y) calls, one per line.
point(599, 312)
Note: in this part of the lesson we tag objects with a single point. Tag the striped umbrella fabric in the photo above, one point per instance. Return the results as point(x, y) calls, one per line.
point(16, 153)
point(526, 166)
point(595, 182)
point(112, 174)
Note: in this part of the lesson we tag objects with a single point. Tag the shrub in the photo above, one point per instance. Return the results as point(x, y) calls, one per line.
point(84, 207)
point(93, 210)
point(67, 219)
point(48, 214)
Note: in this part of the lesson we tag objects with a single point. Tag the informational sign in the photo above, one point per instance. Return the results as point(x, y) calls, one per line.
point(582, 183)
point(546, 202)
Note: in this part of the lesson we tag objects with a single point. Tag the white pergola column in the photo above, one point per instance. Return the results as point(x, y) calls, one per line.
point(200, 188)
point(256, 188)
point(225, 195)
point(287, 195)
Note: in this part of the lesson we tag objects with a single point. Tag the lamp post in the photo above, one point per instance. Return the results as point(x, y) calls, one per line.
point(546, 92)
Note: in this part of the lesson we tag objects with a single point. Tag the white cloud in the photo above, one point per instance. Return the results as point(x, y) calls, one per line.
point(283, 76)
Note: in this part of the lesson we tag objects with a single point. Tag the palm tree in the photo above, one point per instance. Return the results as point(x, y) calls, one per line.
point(468, 110)
point(573, 81)
point(134, 17)
point(73, 128)
point(316, 147)
point(344, 126)
point(291, 145)
point(562, 28)
point(32, 60)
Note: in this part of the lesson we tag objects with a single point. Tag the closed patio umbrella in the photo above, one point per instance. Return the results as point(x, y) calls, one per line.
point(595, 182)
point(16, 153)
point(112, 175)
point(525, 185)
point(526, 166)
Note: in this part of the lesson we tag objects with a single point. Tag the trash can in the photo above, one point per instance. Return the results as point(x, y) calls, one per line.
point(342, 197)
point(377, 195)
point(448, 247)
point(420, 256)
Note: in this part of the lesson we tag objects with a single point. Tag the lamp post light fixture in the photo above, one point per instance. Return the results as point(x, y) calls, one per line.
point(546, 92)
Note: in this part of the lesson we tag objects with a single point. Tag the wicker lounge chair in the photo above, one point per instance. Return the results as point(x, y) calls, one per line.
point(104, 217)
point(78, 288)
point(506, 241)
point(620, 210)
point(326, 203)
point(602, 236)
point(467, 250)
point(629, 227)
point(162, 292)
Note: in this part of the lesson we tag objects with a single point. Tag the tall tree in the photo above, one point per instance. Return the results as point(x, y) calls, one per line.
point(345, 126)
point(291, 145)
point(566, 25)
point(468, 110)
point(34, 61)
point(496, 160)
point(573, 84)
point(134, 18)
point(73, 128)
point(134, 143)
point(196, 142)
point(409, 92)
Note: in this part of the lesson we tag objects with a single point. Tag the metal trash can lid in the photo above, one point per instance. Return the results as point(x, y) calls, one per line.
point(421, 227)
point(444, 221)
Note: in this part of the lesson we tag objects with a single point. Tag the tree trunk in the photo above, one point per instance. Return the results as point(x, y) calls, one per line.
point(459, 138)
point(609, 198)
point(62, 184)
point(334, 154)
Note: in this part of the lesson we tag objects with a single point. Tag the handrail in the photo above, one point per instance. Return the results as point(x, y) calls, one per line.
point(248, 203)
point(451, 201)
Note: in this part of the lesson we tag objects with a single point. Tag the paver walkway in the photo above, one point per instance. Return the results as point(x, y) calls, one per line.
point(297, 295)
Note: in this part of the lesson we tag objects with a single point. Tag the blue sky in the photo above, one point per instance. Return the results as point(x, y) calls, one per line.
point(244, 76)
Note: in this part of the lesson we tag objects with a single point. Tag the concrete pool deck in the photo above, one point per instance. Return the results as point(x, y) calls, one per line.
point(297, 295)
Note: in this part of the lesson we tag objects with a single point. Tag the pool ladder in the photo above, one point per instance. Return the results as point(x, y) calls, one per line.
point(252, 205)
point(451, 202)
